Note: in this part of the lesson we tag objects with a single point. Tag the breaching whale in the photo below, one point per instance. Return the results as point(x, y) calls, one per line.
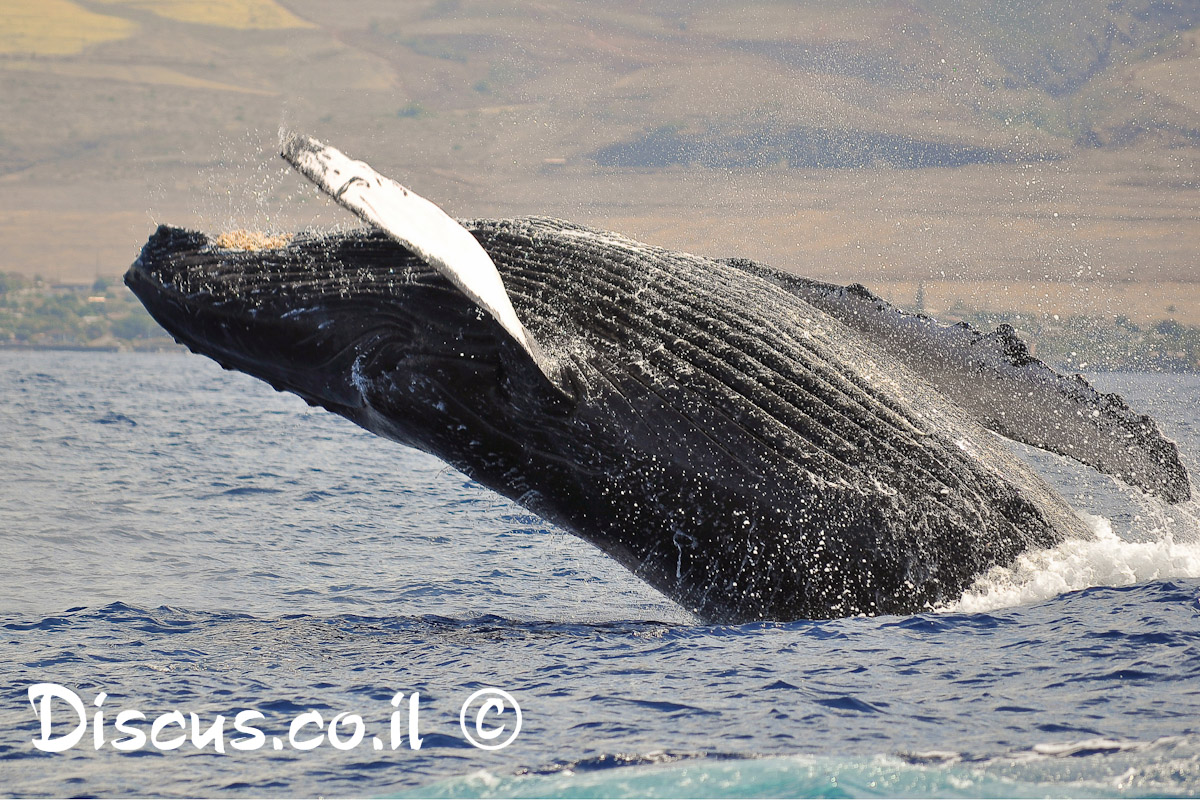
point(752, 444)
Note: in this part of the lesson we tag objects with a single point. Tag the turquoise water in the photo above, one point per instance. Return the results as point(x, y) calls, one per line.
point(1118, 773)
point(181, 538)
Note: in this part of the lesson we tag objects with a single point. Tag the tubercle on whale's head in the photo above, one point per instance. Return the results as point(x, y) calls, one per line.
point(374, 335)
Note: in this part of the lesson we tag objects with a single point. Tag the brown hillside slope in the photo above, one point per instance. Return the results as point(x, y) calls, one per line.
point(795, 135)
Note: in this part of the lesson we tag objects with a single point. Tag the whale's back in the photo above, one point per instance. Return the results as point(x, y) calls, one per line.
point(744, 386)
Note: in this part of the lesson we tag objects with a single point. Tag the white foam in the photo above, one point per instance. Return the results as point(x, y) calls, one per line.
point(1172, 551)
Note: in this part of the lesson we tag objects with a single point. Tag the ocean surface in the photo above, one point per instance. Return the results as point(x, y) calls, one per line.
point(183, 539)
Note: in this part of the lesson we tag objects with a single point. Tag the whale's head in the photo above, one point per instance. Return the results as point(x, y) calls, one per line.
point(357, 325)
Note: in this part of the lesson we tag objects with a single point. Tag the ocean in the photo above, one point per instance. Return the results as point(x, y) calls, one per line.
point(176, 538)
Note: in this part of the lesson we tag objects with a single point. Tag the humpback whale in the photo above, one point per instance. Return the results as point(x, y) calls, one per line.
point(752, 444)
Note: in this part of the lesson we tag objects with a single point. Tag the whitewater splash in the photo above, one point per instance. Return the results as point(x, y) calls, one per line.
point(1167, 546)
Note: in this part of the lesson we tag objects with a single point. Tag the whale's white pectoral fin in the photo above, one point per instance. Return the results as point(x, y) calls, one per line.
point(419, 225)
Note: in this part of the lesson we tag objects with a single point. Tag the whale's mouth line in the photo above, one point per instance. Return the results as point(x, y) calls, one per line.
point(235, 351)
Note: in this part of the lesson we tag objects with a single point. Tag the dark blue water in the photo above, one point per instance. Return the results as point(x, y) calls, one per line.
point(186, 539)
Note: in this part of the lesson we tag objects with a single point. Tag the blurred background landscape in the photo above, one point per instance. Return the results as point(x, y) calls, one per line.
point(1036, 163)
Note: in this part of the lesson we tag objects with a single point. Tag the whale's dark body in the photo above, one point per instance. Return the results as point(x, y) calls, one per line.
point(736, 447)
point(753, 444)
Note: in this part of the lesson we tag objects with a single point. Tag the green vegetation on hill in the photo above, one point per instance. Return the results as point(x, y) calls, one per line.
point(1087, 343)
point(107, 316)
point(103, 316)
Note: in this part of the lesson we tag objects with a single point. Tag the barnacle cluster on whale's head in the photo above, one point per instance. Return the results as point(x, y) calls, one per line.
point(251, 241)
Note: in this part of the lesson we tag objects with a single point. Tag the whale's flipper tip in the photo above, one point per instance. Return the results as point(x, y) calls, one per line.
point(304, 154)
point(290, 144)
point(295, 146)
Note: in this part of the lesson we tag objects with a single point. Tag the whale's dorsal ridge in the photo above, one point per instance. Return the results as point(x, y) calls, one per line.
point(1005, 387)
point(422, 227)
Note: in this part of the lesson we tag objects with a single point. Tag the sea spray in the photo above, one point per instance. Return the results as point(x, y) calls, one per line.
point(1106, 560)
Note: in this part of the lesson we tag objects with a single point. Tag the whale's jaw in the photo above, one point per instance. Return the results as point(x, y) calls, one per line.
point(227, 307)
point(318, 330)
point(354, 324)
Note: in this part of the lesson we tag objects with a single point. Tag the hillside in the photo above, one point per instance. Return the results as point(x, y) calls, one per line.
point(886, 142)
